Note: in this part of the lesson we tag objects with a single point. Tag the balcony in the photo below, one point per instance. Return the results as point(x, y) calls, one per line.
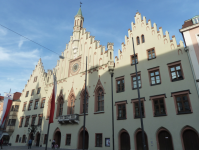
point(73, 118)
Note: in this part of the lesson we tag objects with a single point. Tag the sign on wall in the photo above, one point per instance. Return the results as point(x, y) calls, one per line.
point(107, 142)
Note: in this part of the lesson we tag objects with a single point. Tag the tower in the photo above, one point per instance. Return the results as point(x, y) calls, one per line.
point(78, 24)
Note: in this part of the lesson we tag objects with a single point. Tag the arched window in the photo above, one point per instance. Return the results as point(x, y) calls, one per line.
point(81, 24)
point(60, 104)
point(78, 22)
point(82, 101)
point(86, 103)
point(143, 40)
point(71, 105)
point(138, 41)
point(110, 56)
point(100, 100)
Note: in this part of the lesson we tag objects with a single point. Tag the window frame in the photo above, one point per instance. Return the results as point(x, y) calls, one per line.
point(21, 122)
point(66, 139)
point(155, 97)
point(43, 101)
point(32, 92)
point(117, 109)
point(134, 75)
point(131, 59)
point(40, 116)
point(24, 106)
point(23, 139)
point(39, 89)
point(99, 141)
point(37, 100)
point(172, 64)
point(119, 79)
point(27, 117)
point(10, 122)
point(133, 101)
point(27, 93)
point(31, 102)
point(142, 39)
point(138, 38)
point(151, 53)
point(175, 94)
point(150, 70)
point(33, 117)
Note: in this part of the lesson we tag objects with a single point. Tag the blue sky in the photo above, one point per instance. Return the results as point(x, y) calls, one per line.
point(50, 23)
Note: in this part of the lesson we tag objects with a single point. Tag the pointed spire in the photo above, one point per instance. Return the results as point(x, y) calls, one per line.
point(79, 12)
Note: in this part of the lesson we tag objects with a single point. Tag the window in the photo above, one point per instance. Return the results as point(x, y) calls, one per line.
point(16, 108)
point(32, 93)
point(151, 54)
point(24, 139)
point(86, 102)
point(121, 110)
point(36, 104)
point(17, 139)
point(21, 122)
point(134, 81)
point(158, 105)
point(27, 93)
point(143, 40)
point(60, 109)
point(120, 84)
point(40, 120)
point(27, 122)
point(38, 90)
point(136, 109)
point(195, 19)
point(33, 120)
point(35, 79)
point(11, 122)
point(71, 105)
point(30, 105)
point(24, 106)
point(138, 41)
point(43, 103)
point(68, 139)
point(98, 138)
point(45, 138)
point(134, 59)
point(154, 76)
point(175, 70)
point(100, 100)
point(182, 102)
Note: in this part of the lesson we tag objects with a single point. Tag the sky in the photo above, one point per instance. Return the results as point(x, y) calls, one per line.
point(50, 23)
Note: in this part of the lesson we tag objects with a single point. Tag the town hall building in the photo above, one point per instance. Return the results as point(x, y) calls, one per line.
point(169, 97)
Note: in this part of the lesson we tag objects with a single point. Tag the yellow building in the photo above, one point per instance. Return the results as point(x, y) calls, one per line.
point(168, 93)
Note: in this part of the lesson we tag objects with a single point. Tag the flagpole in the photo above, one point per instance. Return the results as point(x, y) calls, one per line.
point(85, 106)
point(47, 136)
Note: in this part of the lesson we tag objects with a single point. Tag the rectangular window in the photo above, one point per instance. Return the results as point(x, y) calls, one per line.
point(17, 139)
point(120, 84)
point(27, 122)
point(32, 93)
point(137, 110)
point(40, 120)
point(21, 122)
point(27, 93)
point(134, 59)
point(12, 109)
point(175, 70)
point(68, 139)
point(30, 105)
point(36, 104)
point(151, 54)
point(121, 111)
point(38, 90)
point(134, 81)
point(98, 140)
point(16, 108)
point(24, 106)
point(33, 120)
point(155, 77)
point(43, 103)
point(11, 122)
point(159, 107)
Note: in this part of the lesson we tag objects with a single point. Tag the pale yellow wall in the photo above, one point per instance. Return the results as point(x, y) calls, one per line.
point(102, 123)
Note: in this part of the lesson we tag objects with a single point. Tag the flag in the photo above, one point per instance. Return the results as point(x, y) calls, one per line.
point(7, 103)
point(52, 109)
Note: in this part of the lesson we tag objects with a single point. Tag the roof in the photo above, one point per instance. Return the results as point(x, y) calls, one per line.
point(1, 98)
point(16, 95)
point(187, 23)
point(79, 12)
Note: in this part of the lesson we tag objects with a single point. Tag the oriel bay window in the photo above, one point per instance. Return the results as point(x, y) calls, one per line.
point(154, 76)
point(134, 81)
point(121, 110)
point(151, 53)
point(158, 105)
point(182, 102)
point(175, 71)
point(120, 84)
point(136, 109)
point(98, 140)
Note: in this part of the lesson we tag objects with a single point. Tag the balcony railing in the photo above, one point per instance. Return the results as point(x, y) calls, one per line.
point(73, 118)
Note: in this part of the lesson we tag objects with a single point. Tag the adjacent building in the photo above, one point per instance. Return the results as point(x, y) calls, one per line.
point(169, 98)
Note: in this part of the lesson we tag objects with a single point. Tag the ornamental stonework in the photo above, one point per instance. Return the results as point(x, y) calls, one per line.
point(74, 67)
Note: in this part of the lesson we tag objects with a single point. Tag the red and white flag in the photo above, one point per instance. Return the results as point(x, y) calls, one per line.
point(7, 103)
point(52, 109)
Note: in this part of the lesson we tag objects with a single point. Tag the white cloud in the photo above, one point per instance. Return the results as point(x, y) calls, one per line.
point(4, 55)
point(21, 42)
point(3, 31)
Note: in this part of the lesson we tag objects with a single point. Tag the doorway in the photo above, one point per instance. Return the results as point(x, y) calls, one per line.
point(81, 140)
point(125, 141)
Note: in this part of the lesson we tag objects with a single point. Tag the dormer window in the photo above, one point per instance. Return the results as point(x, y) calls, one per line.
point(195, 19)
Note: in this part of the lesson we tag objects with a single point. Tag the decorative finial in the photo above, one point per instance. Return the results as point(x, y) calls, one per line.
point(80, 4)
